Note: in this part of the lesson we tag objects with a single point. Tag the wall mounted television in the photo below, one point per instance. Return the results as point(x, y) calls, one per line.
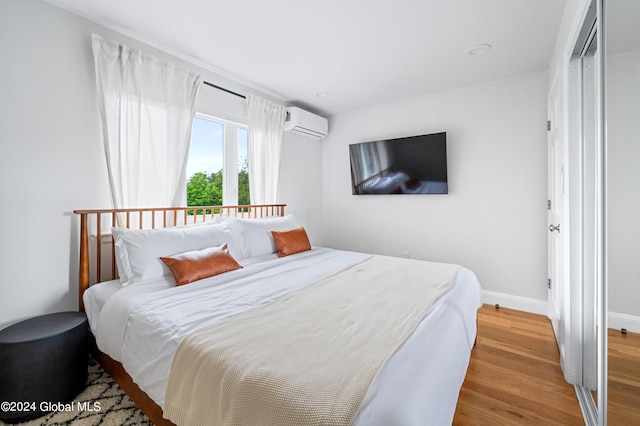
point(409, 165)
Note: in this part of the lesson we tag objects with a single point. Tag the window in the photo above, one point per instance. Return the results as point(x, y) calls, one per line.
point(217, 170)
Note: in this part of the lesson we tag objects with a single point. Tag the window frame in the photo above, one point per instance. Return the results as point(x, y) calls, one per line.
point(230, 158)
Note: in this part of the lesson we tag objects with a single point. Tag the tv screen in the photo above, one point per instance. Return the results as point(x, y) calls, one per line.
point(411, 165)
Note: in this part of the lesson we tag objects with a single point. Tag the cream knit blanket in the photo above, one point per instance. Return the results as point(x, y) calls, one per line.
point(308, 358)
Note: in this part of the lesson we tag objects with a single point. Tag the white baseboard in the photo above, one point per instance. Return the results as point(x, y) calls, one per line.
point(535, 306)
point(630, 322)
point(519, 303)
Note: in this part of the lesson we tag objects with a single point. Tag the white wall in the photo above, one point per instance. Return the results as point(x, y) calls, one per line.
point(623, 127)
point(493, 220)
point(51, 158)
point(301, 183)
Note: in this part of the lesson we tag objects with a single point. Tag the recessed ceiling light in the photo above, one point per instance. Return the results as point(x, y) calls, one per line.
point(322, 94)
point(478, 49)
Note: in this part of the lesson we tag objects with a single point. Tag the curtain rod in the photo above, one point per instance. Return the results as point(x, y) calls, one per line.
point(224, 90)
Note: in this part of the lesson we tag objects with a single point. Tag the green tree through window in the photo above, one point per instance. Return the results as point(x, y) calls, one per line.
point(243, 185)
point(212, 140)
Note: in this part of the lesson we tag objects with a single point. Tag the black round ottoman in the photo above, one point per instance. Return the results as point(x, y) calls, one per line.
point(43, 361)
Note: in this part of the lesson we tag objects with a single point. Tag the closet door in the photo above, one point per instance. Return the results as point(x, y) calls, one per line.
point(584, 334)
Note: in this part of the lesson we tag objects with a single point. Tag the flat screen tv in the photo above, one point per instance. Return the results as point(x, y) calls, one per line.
point(410, 165)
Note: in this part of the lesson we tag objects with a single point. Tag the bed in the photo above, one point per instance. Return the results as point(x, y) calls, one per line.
point(146, 327)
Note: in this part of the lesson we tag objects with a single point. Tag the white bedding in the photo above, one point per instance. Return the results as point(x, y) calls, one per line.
point(141, 326)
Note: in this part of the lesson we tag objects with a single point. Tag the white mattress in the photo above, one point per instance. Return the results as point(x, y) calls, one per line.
point(141, 326)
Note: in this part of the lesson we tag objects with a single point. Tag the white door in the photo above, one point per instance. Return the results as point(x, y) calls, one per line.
point(556, 191)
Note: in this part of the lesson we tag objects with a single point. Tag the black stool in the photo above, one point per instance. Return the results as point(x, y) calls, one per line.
point(43, 361)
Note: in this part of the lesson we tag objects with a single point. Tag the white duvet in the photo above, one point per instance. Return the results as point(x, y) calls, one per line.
point(141, 326)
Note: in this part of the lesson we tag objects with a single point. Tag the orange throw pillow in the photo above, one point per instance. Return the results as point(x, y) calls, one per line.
point(291, 242)
point(198, 264)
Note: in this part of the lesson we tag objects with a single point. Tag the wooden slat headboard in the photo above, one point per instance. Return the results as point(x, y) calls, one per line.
point(92, 223)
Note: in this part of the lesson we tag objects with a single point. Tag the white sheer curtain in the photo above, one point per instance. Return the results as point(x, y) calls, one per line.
point(266, 127)
point(147, 108)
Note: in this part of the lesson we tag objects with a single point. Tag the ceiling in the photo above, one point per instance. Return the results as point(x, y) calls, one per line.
point(358, 53)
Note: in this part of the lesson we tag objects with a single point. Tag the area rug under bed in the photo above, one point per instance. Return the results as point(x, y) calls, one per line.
point(108, 405)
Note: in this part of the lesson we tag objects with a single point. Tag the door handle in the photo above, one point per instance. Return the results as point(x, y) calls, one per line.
point(554, 228)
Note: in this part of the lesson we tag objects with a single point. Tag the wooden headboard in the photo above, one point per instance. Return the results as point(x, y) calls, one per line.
point(94, 222)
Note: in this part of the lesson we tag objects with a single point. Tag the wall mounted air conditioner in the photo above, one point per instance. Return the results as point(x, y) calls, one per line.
point(304, 123)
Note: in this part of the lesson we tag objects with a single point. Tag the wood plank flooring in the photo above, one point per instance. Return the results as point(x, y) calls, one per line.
point(623, 400)
point(514, 376)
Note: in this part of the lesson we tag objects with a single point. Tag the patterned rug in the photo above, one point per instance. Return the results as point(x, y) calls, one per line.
point(103, 401)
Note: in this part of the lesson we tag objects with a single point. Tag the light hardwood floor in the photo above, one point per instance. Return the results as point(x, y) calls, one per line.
point(514, 376)
point(624, 379)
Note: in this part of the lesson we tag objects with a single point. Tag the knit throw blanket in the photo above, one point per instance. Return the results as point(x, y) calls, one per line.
point(309, 357)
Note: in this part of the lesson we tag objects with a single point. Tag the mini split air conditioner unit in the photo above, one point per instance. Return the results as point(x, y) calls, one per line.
point(304, 123)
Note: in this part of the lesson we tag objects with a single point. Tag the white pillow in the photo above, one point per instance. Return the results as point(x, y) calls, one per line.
point(138, 252)
point(256, 233)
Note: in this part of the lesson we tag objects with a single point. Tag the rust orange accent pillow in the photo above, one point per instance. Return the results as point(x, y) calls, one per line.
point(291, 242)
point(198, 264)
